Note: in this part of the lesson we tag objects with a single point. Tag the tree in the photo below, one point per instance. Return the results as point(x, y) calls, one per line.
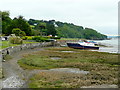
point(6, 22)
point(41, 27)
point(36, 33)
point(51, 29)
point(22, 33)
point(18, 32)
point(66, 30)
point(22, 24)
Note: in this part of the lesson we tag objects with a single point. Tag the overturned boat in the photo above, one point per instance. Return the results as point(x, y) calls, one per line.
point(82, 45)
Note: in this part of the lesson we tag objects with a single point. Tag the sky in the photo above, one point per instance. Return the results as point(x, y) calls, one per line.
point(101, 15)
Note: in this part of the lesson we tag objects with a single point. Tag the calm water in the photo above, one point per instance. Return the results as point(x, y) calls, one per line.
point(112, 46)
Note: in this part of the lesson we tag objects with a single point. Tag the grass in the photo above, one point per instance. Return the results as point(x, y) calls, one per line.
point(102, 67)
point(69, 39)
point(1, 74)
point(7, 57)
point(5, 44)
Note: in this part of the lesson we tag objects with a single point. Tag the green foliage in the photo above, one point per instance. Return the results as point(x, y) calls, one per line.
point(1, 73)
point(18, 32)
point(24, 38)
point(51, 30)
point(27, 38)
point(6, 44)
point(22, 33)
point(92, 34)
point(43, 59)
point(65, 30)
point(21, 23)
point(7, 57)
point(44, 28)
point(41, 27)
point(15, 40)
point(36, 32)
point(6, 22)
point(40, 39)
point(72, 31)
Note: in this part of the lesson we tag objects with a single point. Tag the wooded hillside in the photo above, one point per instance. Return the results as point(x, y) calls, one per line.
point(34, 27)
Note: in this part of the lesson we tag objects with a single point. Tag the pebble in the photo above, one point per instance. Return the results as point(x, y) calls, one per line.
point(13, 82)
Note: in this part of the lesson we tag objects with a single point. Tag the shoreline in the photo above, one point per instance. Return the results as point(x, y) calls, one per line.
point(16, 78)
point(104, 46)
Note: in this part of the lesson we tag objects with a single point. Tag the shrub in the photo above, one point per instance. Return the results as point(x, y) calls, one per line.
point(18, 32)
point(39, 39)
point(15, 40)
point(22, 33)
point(24, 37)
point(29, 38)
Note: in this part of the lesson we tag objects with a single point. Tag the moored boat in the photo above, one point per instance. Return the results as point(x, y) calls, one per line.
point(82, 45)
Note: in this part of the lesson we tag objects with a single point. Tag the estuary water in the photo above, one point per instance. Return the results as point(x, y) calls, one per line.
point(112, 45)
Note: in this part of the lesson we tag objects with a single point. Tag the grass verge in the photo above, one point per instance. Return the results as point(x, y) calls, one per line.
point(5, 44)
point(1, 73)
point(7, 57)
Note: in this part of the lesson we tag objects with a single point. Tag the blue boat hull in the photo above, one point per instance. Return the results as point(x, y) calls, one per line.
point(78, 46)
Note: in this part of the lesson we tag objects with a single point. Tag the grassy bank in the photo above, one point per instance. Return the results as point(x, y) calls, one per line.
point(69, 39)
point(102, 67)
point(5, 44)
point(1, 74)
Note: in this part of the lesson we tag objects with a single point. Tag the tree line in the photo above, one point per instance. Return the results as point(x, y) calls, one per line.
point(32, 27)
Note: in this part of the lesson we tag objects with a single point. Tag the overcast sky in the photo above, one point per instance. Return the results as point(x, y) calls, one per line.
point(101, 15)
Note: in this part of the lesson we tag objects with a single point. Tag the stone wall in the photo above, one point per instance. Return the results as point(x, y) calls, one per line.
point(15, 49)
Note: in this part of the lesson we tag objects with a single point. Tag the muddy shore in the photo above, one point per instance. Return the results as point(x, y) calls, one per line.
point(16, 77)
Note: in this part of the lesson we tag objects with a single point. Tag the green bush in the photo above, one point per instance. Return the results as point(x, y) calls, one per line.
point(22, 33)
point(24, 37)
point(39, 39)
point(29, 38)
point(18, 32)
point(15, 40)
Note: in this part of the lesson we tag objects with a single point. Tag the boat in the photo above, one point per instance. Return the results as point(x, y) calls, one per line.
point(82, 45)
point(93, 42)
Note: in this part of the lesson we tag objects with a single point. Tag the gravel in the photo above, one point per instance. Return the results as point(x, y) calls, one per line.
point(13, 82)
point(101, 86)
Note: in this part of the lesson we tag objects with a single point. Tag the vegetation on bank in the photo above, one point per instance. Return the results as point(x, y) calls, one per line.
point(65, 30)
point(102, 67)
point(0, 73)
point(21, 27)
point(5, 44)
